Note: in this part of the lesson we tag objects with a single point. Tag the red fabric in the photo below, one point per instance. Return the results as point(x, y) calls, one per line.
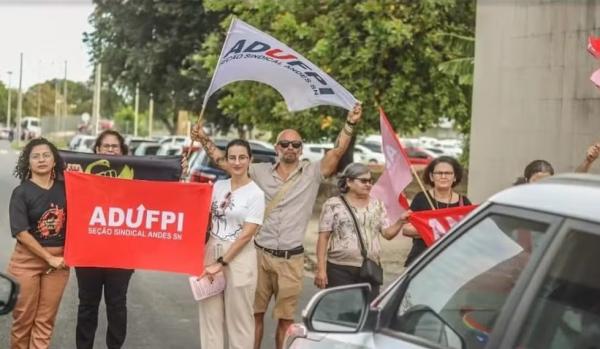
point(434, 224)
point(396, 174)
point(594, 46)
point(104, 227)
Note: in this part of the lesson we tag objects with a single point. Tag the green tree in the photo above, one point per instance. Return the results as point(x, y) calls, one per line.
point(148, 42)
point(386, 52)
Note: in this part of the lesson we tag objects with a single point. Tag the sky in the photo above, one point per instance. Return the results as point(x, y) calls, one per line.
point(48, 33)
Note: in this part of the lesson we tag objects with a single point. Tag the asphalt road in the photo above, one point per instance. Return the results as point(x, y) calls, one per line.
point(162, 313)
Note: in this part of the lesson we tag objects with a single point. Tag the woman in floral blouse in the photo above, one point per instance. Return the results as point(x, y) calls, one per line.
point(339, 255)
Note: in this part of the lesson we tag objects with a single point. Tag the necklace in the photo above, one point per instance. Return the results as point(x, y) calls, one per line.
point(437, 203)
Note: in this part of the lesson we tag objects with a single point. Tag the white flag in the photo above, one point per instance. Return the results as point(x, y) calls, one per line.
point(249, 54)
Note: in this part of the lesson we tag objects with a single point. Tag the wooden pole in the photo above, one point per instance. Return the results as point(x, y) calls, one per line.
point(412, 169)
point(199, 123)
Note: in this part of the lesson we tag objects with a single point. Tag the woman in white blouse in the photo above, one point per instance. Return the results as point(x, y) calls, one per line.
point(237, 209)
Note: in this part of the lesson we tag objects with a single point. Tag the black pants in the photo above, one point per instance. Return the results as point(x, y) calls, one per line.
point(91, 282)
point(340, 275)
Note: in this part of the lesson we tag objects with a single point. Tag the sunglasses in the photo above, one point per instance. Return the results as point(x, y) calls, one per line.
point(364, 180)
point(285, 144)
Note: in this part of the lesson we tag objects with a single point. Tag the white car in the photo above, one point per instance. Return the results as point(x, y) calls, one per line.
point(170, 149)
point(82, 143)
point(365, 155)
point(31, 127)
point(182, 140)
point(520, 271)
point(314, 151)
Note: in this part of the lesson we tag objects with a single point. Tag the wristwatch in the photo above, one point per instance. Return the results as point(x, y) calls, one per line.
point(350, 123)
point(222, 262)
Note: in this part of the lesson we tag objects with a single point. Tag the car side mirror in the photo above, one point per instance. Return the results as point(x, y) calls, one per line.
point(9, 290)
point(424, 322)
point(340, 309)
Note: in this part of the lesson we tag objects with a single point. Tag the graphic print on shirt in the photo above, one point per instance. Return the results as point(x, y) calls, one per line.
point(51, 223)
point(219, 221)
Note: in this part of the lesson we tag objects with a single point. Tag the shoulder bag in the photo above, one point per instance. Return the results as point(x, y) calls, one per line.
point(369, 270)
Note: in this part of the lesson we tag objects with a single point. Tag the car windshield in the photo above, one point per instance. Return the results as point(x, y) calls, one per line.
point(467, 284)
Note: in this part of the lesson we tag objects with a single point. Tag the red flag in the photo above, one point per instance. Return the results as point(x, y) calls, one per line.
point(136, 224)
point(396, 174)
point(434, 224)
point(593, 46)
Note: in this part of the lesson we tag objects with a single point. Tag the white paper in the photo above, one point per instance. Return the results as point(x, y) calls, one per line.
point(202, 288)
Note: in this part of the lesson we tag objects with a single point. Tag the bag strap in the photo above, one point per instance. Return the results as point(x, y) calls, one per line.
point(363, 249)
point(460, 200)
point(281, 193)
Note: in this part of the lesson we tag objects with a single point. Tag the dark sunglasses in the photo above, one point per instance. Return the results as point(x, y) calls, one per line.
point(364, 180)
point(285, 144)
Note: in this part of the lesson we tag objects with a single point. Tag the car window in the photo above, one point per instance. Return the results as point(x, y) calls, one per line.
point(467, 284)
point(566, 310)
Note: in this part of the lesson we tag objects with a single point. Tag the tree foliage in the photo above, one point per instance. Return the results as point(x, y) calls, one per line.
point(386, 52)
point(147, 42)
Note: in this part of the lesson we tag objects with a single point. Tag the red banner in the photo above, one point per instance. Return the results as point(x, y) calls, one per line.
point(135, 224)
point(434, 224)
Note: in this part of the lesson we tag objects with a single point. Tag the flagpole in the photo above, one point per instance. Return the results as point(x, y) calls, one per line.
point(206, 96)
point(414, 172)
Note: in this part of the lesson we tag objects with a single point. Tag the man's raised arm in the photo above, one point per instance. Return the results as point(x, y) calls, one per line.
point(332, 158)
point(209, 146)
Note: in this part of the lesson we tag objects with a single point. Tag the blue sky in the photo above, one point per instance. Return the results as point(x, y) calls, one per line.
point(48, 33)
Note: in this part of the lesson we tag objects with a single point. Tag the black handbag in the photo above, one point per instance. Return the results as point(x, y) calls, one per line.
point(369, 270)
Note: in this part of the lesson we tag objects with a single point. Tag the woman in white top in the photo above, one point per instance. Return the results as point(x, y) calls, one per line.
point(237, 209)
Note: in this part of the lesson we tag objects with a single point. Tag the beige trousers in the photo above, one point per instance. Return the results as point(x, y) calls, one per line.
point(230, 314)
point(39, 298)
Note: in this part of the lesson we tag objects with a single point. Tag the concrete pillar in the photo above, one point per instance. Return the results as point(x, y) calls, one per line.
point(532, 95)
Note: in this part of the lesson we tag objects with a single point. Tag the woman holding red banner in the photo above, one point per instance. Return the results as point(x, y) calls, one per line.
point(442, 175)
point(37, 212)
point(349, 231)
point(237, 210)
point(93, 281)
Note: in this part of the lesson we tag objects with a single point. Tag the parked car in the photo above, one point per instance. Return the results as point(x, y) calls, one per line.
point(9, 291)
point(181, 140)
point(261, 144)
point(203, 169)
point(170, 149)
point(31, 127)
point(133, 142)
point(314, 151)
point(418, 156)
point(520, 271)
point(82, 143)
point(5, 133)
point(146, 148)
point(366, 155)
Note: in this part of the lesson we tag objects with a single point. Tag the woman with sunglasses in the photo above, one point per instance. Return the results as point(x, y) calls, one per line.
point(339, 251)
point(237, 210)
point(442, 175)
point(37, 212)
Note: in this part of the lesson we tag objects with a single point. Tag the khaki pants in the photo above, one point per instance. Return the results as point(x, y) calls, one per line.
point(39, 298)
point(230, 314)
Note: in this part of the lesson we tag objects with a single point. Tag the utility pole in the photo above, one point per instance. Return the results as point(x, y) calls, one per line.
point(150, 115)
point(136, 109)
point(9, 100)
point(65, 112)
point(97, 97)
point(66, 105)
point(20, 102)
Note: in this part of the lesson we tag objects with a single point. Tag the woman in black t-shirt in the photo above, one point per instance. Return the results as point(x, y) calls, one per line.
point(37, 213)
point(442, 175)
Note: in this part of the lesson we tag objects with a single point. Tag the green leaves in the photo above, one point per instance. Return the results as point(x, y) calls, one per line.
point(411, 57)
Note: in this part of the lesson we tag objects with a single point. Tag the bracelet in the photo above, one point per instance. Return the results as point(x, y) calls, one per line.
point(222, 262)
point(348, 130)
point(351, 123)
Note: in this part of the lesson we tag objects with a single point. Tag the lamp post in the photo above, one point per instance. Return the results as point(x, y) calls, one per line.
point(8, 109)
